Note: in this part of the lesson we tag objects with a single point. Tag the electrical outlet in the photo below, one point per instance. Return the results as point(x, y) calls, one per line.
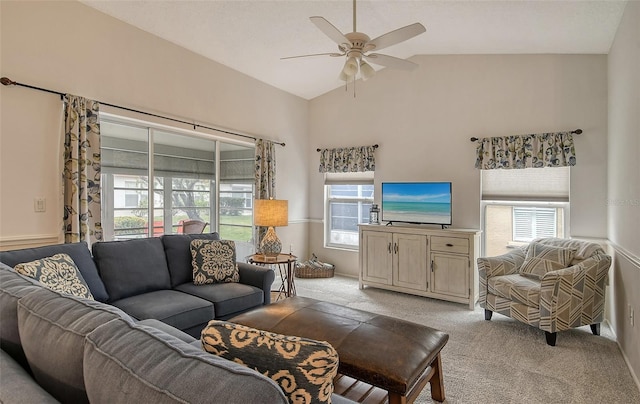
point(39, 205)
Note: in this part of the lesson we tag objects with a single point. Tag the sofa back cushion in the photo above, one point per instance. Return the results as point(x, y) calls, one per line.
point(178, 252)
point(79, 253)
point(132, 267)
point(13, 286)
point(52, 329)
point(127, 363)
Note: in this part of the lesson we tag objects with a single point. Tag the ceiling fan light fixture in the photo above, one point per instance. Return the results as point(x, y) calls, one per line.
point(350, 67)
point(366, 70)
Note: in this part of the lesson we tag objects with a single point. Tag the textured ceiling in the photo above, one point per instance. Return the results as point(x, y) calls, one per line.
point(252, 36)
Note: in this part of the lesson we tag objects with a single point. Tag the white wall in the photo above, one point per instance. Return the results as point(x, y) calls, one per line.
point(69, 47)
point(423, 120)
point(624, 183)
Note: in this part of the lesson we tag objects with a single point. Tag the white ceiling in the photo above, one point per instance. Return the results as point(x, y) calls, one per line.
point(251, 36)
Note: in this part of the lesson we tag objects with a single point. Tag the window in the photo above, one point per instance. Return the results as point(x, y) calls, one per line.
point(349, 197)
point(521, 205)
point(534, 222)
point(184, 185)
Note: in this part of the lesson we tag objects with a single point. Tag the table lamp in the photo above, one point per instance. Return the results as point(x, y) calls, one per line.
point(271, 213)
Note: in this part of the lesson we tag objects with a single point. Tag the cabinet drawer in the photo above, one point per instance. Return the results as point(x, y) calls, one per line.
point(450, 244)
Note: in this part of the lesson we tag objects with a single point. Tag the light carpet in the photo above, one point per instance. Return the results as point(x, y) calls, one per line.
point(502, 360)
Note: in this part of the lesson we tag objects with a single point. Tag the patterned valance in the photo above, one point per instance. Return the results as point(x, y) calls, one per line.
point(526, 151)
point(348, 159)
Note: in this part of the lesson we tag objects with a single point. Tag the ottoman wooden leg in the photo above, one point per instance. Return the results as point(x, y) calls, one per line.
point(437, 381)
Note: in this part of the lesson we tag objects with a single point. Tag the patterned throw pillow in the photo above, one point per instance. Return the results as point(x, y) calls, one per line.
point(214, 261)
point(303, 368)
point(58, 273)
point(543, 258)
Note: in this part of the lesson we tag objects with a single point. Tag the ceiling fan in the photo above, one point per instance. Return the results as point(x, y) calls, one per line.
point(356, 46)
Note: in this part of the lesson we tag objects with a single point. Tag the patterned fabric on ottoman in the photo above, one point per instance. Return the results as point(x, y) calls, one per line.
point(303, 368)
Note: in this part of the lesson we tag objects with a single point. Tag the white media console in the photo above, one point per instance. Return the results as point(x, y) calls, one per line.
point(439, 264)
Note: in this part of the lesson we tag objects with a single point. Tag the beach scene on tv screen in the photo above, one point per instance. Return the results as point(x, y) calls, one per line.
point(417, 202)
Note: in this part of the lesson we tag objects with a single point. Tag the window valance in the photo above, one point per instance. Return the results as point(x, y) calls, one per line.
point(526, 151)
point(348, 159)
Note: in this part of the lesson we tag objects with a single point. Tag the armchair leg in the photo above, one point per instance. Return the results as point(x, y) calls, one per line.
point(551, 338)
point(487, 314)
point(595, 328)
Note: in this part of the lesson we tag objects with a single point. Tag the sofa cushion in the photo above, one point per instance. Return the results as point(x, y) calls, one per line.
point(214, 261)
point(164, 327)
point(132, 267)
point(516, 287)
point(127, 363)
point(304, 368)
point(180, 310)
point(18, 386)
point(543, 258)
point(178, 252)
point(227, 298)
point(52, 330)
point(13, 286)
point(79, 253)
point(58, 273)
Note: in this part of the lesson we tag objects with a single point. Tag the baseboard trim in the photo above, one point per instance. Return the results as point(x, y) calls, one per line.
point(624, 355)
point(18, 242)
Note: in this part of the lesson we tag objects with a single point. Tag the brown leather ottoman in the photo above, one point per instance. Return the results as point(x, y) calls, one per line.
point(395, 355)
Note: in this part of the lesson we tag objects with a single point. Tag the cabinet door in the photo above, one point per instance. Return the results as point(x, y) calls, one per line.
point(410, 261)
point(450, 274)
point(376, 257)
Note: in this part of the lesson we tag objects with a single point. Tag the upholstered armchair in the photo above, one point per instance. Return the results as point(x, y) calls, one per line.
point(552, 284)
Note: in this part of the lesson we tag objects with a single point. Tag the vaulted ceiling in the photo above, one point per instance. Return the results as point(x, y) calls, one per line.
point(251, 36)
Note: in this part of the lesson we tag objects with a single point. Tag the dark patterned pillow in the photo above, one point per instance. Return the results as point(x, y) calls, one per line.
point(214, 261)
point(303, 368)
point(542, 258)
point(58, 273)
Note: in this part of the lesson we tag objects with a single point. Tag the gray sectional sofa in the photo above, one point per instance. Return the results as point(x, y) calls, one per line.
point(61, 348)
point(152, 278)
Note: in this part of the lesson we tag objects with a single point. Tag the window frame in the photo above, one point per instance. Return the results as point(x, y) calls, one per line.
point(108, 183)
point(327, 212)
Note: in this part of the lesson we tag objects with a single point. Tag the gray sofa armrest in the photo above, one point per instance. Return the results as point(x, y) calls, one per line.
point(18, 386)
point(260, 277)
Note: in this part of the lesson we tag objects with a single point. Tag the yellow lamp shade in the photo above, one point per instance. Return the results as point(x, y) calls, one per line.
point(271, 212)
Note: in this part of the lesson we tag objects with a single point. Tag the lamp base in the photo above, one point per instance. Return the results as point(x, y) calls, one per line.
point(270, 244)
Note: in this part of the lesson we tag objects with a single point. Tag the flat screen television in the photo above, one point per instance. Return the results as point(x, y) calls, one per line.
point(417, 202)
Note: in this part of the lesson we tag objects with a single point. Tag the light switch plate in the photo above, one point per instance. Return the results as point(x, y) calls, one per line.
point(39, 205)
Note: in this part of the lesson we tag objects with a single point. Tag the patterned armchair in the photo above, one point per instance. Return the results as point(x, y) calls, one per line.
point(552, 284)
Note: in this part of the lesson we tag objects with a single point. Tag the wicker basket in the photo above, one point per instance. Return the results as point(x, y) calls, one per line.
point(307, 271)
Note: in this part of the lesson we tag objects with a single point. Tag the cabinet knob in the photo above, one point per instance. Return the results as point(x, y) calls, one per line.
point(449, 245)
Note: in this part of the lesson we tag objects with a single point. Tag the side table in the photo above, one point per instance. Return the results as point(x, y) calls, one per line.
point(285, 264)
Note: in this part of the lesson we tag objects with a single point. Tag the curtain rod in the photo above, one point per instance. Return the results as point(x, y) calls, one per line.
point(375, 146)
point(577, 132)
point(8, 82)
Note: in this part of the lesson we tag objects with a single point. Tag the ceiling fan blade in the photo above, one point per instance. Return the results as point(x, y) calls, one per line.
point(390, 61)
point(332, 54)
point(330, 31)
point(396, 36)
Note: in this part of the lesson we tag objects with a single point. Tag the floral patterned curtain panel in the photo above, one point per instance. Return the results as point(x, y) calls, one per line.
point(526, 151)
point(265, 176)
point(348, 159)
point(81, 174)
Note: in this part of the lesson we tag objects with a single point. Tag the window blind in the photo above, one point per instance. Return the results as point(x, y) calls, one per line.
point(529, 184)
point(355, 178)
